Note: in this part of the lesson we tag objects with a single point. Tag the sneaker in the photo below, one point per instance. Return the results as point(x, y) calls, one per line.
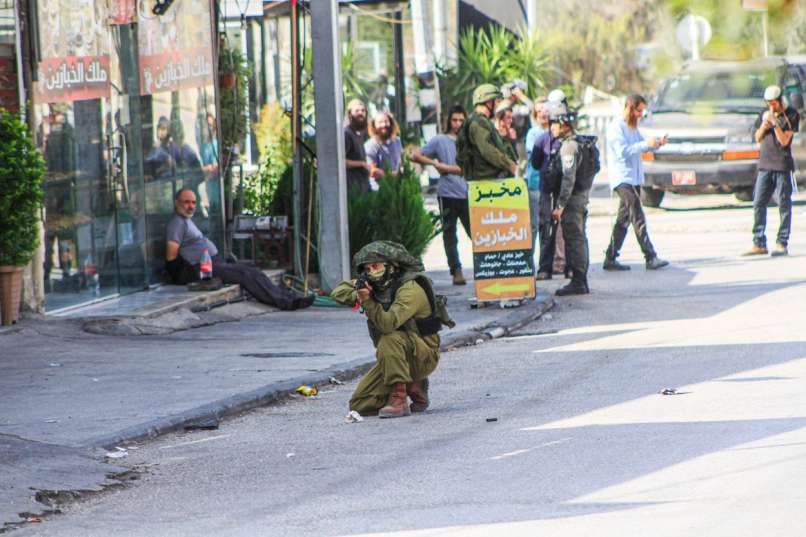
point(779, 250)
point(756, 250)
point(612, 264)
point(543, 276)
point(458, 277)
point(655, 263)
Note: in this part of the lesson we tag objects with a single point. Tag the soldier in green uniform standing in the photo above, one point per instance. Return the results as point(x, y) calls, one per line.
point(404, 318)
point(578, 172)
point(480, 151)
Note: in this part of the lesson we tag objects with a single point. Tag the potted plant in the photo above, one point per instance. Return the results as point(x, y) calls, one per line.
point(21, 172)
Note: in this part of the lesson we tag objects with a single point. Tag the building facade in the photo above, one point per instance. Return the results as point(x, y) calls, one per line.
point(123, 107)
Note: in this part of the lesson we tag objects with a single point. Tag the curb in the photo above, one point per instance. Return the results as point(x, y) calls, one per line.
point(270, 393)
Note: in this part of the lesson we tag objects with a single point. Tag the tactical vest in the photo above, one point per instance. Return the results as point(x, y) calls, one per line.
point(468, 157)
point(589, 165)
point(424, 327)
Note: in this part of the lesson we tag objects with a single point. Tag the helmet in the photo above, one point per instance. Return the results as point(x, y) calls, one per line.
point(556, 96)
point(484, 93)
point(387, 252)
point(772, 93)
point(559, 113)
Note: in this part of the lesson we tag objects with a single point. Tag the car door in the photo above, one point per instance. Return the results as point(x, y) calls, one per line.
point(795, 82)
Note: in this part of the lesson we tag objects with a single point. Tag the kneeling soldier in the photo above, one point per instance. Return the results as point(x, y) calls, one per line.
point(404, 317)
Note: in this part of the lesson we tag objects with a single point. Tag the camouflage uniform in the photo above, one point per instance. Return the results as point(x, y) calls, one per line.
point(573, 199)
point(403, 355)
point(487, 156)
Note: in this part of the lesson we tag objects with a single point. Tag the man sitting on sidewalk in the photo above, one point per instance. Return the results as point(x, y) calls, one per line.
point(186, 245)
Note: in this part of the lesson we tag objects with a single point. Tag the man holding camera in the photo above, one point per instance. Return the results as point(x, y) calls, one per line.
point(775, 128)
point(480, 151)
point(404, 318)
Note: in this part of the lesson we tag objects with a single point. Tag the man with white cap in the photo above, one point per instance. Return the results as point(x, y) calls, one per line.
point(775, 128)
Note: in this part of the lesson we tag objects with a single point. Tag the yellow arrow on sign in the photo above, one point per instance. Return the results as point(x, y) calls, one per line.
point(500, 288)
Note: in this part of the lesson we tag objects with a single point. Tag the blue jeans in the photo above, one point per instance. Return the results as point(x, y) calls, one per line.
point(767, 183)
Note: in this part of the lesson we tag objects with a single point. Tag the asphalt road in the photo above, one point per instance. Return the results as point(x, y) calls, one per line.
point(583, 442)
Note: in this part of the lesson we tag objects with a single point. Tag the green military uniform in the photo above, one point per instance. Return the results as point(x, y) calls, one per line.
point(403, 355)
point(487, 156)
point(573, 199)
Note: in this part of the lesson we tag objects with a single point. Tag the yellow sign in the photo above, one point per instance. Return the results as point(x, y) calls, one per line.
point(500, 227)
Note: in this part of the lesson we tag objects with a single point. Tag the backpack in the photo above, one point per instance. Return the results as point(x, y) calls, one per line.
point(464, 150)
point(439, 309)
point(589, 166)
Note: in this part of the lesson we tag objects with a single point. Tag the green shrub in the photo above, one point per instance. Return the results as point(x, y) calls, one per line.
point(395, 212)
point(21, 171)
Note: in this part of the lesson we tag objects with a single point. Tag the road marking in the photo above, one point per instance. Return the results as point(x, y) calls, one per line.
point(219, 437)
point(522, 451)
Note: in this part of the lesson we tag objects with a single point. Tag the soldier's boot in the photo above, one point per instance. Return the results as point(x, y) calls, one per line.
point(577, 286)
point(396, 406)
point(418, 393)
point(458, 277)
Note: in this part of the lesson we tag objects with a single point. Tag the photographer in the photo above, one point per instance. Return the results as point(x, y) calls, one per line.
point(775, 128)
point(404, 318)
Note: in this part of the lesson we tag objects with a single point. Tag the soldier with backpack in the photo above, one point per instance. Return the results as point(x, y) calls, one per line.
point(404, 317)
point(578, 162)
point(480, 151)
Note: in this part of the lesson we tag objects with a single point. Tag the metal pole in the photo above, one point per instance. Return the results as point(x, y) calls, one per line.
point(531, 15)
point(296, 133)
point(400, 74)
point(334, 240)
point(766, 44)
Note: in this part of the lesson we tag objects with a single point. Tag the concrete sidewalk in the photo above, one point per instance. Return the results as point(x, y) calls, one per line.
point(67, 396)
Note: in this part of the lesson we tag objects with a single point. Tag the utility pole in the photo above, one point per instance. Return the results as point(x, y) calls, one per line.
point(334, 240)
point(531, 15)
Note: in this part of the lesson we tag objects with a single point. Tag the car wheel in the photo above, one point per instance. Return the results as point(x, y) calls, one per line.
point(651, 197)
point(744, 194)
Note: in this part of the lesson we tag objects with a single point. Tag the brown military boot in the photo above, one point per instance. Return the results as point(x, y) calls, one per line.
point(418, 392)
point(396, 406)
point(458, 277)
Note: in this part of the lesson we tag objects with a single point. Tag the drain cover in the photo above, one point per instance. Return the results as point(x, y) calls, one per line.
point(287, 354)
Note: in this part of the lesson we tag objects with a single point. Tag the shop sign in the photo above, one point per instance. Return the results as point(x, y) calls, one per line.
point(500, 227)
point(72, 79)
point(176, 48)
point(9, 87)
point(122, 11)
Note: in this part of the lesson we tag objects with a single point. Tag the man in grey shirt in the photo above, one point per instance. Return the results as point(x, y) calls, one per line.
point(186, 244)
point(440, 152)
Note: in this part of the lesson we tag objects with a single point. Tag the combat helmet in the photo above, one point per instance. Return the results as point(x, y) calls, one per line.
point(560, 113)
point(484, 93)
point(389, 252)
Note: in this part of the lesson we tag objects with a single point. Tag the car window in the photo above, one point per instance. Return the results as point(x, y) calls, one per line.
point(740, 91)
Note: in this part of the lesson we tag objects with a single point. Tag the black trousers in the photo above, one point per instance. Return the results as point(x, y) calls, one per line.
point(573, 221)
point(547, 232)
point(259, 285)
point(451, 210)
point(630, 212)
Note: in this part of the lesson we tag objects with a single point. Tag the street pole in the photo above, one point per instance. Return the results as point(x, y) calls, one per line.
point(766, 43)
point(531, 15)
point(334, 240)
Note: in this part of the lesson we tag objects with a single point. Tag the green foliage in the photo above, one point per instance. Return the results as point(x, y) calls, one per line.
point(234, 109)
point(22, 169)
point(273, 135)
point(395, 212)
point(495, 56)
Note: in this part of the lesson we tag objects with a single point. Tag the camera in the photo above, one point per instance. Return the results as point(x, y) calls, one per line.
point(509, 87)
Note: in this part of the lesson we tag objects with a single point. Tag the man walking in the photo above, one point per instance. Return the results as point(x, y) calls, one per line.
point(775, 128)
point(480, 151)
point(579, 167)
point(440, 152)
point(626, 173)
point(355, 133)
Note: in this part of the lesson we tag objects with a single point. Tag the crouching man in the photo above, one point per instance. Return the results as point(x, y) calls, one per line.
point(404, 317)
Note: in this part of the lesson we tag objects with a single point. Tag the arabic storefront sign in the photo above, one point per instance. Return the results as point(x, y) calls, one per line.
point(122, 11)
point(503, 265)
point(74, 42)
point(176, 49)
point(73, 79)
point(9, 89)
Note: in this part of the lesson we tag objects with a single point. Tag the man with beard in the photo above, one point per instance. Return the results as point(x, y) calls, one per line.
point(186, 245)
point(355, 132)
point(404, 318)
point(440, 152)
point(383, 149)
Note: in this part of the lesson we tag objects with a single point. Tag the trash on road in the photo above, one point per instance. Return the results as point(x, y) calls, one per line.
point(289, 455)
point(55, 364)
point(671, 391)
point(479, 341)
point(118, 453)
point(334, 380)
point(307, 391)
point(52, 421)
point(204, 424)
point(490, 420)
point(34, 520)
point(353, 417)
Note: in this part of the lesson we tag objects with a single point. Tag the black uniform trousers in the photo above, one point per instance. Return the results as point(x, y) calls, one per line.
point(573, 220)
point(451, 210)
point(630, 211)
